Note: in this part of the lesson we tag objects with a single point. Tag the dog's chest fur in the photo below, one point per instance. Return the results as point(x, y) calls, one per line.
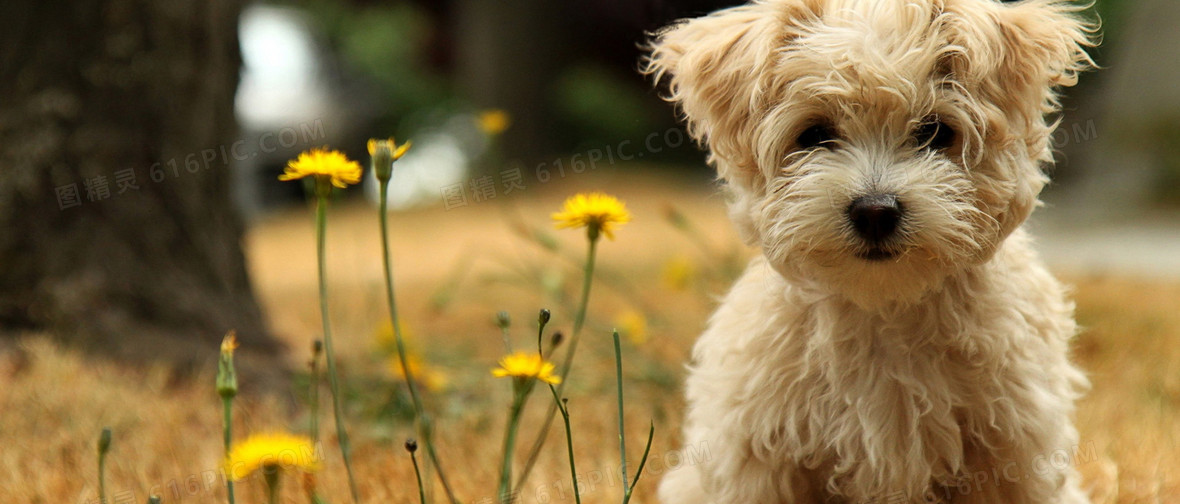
point(876, 404)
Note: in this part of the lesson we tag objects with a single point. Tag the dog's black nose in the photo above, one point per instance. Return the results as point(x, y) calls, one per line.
point(875, 217)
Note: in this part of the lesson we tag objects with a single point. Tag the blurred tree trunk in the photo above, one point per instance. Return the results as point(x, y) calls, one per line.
point(119, 233)
point(509, 56)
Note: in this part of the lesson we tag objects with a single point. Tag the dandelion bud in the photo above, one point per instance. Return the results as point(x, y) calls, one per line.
point(543, 318)
point(503, 320)
point(556, 339)
point(154, 499)
point(227, 379)
point(383, 154)
point(411, 445)
point(104, 441)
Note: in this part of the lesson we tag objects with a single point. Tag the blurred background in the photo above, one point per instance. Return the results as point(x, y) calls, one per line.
point(142, 215)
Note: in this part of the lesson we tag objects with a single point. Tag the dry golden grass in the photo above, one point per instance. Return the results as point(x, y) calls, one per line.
point(167, 432)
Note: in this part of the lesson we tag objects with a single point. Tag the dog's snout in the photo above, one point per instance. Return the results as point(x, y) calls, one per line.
point(875, 217)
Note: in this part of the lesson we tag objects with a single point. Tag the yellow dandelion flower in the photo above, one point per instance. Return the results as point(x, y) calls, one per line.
point(326, 166)
point(526, 365)
point(633, 325)
point(386, 340)
point(278, 450)
point(395, 151)
point(493, 121)
point(596, 211)
point(679, 272)
point(429, 376)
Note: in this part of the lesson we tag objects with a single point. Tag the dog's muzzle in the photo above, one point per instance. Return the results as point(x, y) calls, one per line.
point(876, 218)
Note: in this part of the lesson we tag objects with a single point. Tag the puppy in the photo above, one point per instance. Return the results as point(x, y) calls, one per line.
point(897, 340)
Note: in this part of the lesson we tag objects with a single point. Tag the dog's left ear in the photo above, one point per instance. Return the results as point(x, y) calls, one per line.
point(1018, 55)
point(1045, 44)
point(714, 67)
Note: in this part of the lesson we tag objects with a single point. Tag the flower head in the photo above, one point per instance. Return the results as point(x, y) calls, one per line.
point(596, 211)
point(633, 325)
point(526, 365)
point(679, 273)
point(326, 166)
point(270, 451)
point(493, 121)
point(429, 376)
point(384, 153)
point(386, 340)
point(229, 343)
point(395, 151)
point(227, 378)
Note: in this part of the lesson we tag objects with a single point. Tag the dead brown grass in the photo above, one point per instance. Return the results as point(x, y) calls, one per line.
point(55, 400)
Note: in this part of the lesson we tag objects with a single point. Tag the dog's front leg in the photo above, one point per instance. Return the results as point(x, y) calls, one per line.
point(727, 472)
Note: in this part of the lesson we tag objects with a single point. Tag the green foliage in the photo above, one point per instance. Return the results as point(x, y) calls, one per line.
point(602, 104)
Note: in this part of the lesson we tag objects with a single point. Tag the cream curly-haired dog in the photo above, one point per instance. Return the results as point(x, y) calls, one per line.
point(898, 340)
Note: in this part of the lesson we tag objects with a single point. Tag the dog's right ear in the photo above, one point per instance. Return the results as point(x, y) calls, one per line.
point(714, 67)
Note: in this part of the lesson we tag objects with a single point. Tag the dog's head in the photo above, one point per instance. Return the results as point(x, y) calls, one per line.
point(872, 147)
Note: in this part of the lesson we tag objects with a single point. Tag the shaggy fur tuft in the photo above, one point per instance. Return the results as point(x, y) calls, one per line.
point(856, 366)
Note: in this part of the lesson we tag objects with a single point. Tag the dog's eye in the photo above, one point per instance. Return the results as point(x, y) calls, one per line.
point(815, 136)
point(934, 134)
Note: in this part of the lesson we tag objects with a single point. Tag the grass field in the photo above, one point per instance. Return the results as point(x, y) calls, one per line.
point(455, 269)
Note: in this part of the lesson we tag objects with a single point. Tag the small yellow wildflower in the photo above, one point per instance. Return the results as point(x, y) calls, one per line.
point(679, 273)
point(493, 121)
point(633, 325)
point(526, 365)
point(386, 340)
point(326, 166)
point(429, 376)
point(395, 151)
point(596, 211)
point(278, 450)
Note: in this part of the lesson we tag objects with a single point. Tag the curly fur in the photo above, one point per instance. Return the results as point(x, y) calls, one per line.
point(827, 377)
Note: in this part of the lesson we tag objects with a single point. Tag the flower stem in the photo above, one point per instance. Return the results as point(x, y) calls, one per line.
point(321, 213)
point(569, 441)
point(579, 321)
point(104, 445)
point(424, 427)
point(510, 438)
point(418, 476)
point(622, 437)
point(227, 434)
point(271, 475)
point(313, 394)
point(651, 431)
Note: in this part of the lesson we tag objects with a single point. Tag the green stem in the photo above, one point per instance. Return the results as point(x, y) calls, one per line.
point(425, 428)
point(622, 438)
point(418, 476)
point(321, 213)
point(569, 442)
point(510, 440)
point(271, 475)
point(227, 435)
point(579, 321)
point(314, 400)
point(102, 479)
point(651, 431)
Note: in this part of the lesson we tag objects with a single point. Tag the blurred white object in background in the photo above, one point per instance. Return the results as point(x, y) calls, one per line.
point(281, 79)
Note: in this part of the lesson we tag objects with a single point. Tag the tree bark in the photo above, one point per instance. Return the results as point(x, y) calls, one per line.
point(508, 56)
point(118, 228)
